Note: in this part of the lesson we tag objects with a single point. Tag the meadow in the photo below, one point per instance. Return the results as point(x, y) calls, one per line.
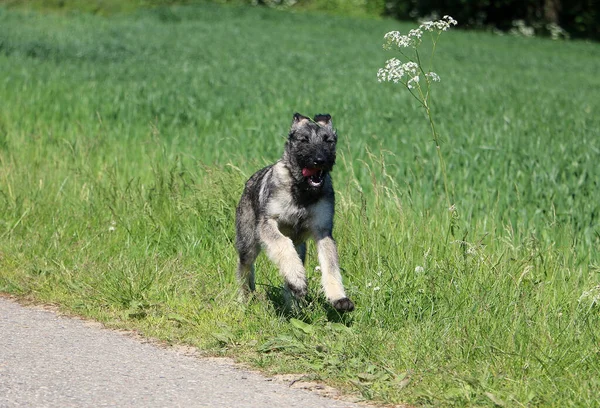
point(125, 143)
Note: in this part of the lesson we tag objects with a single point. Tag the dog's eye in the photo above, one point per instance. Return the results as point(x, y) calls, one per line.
point(327, 137)
point(299, 137)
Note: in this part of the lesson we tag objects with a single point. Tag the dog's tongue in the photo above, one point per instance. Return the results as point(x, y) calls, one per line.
point(306, 172)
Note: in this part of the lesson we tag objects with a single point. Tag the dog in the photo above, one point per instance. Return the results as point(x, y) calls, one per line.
point(288, 202)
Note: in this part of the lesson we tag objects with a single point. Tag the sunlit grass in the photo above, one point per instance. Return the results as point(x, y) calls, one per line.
point(125, 143)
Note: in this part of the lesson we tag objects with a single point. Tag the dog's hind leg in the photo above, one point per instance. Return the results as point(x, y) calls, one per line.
point(301, 250)
point(248, 247)
point(245, 270)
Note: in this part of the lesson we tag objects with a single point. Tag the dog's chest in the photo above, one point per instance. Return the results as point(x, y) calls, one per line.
point(293, 220)
point(298, 222)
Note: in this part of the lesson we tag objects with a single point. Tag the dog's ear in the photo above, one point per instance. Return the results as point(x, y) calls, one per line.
point(299, 120)
point(324, 120)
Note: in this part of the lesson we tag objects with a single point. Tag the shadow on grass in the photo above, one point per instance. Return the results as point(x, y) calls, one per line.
point(308, 309)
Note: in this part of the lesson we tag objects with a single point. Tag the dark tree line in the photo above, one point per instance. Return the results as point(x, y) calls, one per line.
point(579, 18)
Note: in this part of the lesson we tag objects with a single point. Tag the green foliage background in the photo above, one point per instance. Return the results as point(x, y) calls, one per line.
point(125, 143)
point(578, 17)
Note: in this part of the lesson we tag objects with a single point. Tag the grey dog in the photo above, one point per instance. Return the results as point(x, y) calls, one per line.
point(288, 202)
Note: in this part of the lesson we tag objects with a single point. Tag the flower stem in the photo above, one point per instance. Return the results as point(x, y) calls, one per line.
point(436, 139)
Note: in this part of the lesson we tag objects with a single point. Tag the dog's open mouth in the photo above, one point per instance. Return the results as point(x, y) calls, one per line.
point(314, 176)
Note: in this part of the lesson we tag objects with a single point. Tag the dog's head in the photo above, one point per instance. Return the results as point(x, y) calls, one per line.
point(310, 148)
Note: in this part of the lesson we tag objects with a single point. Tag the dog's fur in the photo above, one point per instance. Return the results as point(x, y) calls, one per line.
point(288, 202)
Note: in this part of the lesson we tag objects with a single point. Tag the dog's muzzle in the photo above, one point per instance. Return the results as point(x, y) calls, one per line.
point(314, 176)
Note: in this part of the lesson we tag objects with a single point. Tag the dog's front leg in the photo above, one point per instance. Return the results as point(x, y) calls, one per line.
point(331, 278)
point(280, 249)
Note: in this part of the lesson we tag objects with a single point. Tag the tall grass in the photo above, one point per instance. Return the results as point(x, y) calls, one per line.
point(125, 143)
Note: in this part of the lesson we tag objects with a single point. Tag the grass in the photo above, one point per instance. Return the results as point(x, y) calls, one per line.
point(125, 143)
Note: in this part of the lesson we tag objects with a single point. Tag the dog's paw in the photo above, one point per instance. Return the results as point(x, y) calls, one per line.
point(343, 305)
point(299, 291)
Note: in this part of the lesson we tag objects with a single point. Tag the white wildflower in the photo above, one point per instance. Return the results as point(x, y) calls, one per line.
point(395, 38)
point(427, 26)
point(413, 82)
point(407, 73)
point(450, 20)
point(411, 68)
point(376, 288)
point(113, 226)
point(392, 72)
point(522, 29)
point(439, 25)
point(433, 76)
point(419, 269)
point(396, 71)
point(415, 33)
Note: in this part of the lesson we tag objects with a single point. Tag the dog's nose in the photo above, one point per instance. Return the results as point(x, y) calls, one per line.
point(319, 161)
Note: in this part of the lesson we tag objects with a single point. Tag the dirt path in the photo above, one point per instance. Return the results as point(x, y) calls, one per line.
point(48, 360)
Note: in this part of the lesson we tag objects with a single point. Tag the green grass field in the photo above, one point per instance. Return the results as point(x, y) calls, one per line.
point(125, 143)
